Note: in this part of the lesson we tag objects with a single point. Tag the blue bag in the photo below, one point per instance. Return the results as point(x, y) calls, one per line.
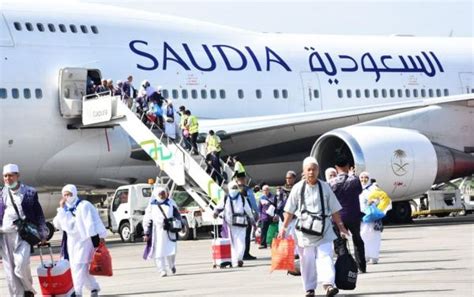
point(372, 214)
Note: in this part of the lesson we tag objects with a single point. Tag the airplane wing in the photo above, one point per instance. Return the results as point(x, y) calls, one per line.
point(297, 132)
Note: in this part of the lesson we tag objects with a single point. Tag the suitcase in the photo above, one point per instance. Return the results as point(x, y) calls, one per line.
point(221, 251)
point(55, 278)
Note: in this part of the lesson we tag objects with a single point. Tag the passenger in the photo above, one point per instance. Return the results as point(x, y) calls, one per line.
point(18, 201)
point(330, 173)
point(128, 91)
point(169, 122)
point(311, 247)
point(257, 192)
point(213, 143)
point(103, 87)
point(247, 193)
point(83, 231)
point(118, 89)
point(239, 169)
point(193, 127)
point(347, 189)
point(161, 244)
point(183, 120)
point(282, 195)
point(237, 214)
point(371, 232)
point(267, 213)
point(214, 168)
point(110, 86)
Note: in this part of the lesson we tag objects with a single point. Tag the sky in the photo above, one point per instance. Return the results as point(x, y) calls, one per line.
point(349, 17)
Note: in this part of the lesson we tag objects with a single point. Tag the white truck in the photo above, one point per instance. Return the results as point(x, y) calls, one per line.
point(124, 214)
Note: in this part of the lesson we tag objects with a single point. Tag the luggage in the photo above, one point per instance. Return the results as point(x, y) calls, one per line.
point(346, 271)
point(55, 278)
point(221, 251)
point(258, 235)
point(283, 254)
point(101, 263)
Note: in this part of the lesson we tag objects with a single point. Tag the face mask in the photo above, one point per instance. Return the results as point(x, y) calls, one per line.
point(70, 200)
point(12, 186)
point(233, 193)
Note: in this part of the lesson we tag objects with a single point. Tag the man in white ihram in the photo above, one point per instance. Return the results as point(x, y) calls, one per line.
point(15, 251)
point(311, 247)
point(84, 230)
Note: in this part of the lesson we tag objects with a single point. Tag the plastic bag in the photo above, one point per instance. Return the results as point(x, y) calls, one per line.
point(101, 263)
point(283, 254)
point(272, 232)
point(372, 214)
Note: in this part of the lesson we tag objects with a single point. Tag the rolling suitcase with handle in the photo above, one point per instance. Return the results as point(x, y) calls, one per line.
point(54, 277)
point(221, 251)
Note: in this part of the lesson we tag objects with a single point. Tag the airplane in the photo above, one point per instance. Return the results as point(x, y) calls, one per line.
point(400, 107)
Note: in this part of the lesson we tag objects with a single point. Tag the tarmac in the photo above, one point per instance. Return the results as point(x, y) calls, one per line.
point(431, 257)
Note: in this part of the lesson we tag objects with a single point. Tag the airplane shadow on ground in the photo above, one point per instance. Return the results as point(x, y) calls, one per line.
point(141, 293)
point(394, 292)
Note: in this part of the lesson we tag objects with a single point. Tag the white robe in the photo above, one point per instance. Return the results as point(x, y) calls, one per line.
point(161, 245)
point(80, 228)
point(372, 238)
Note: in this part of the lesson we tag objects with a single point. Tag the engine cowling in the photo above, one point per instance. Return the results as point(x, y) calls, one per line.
point(404, 162)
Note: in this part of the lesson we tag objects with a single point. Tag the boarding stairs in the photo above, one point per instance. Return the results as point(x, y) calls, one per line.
point(183, 168)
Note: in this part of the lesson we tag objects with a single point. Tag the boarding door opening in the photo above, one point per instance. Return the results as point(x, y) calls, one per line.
point(311, 91)
point(467, 82)
point(75, 83)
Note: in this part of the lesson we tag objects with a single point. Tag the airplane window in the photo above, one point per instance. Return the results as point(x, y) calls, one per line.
point(415, 93)
point(240, 93)
point(84, 29)
point(62, 28)
point(423, 93)
point(73, 28)
point(400, 93)
point(184, 94)
point(349, 94)
point(29, 27)
point(438, 93)
point(430, 93)
point(340, 93)
point(222, 94)
point(51, 28)
point(27, 93)
point(258, 93)
point(276, 94)
point(3, 93)
point(384, 93)
point(284, 93)
point(15, 93)
point(17, 26)
point(38, 93)
point(203, 94)
point(376, 93)
point(165, 94)
point(194, 94)
point(407, 93)
point(213, 94)
point(472, 91)
point(94, 30)
point(175, 94)
point(392, 93)
point(446, 92)
point(358, 93)
point(367, 93)
point(40, 27)
point(316, 93)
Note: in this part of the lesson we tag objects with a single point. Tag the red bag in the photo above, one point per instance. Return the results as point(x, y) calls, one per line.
point(283, 254)
point(101, 263)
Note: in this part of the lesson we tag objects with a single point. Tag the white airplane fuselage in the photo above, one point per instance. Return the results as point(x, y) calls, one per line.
point(306, 73)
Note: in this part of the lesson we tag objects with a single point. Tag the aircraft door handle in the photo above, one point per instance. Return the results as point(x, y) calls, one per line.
point(310, 94)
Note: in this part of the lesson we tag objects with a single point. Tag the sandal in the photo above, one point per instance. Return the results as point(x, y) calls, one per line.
point(309, 293)
point(331, 291)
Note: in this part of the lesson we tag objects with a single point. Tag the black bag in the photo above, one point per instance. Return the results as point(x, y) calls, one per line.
point(173, 224)
point(27, 230)
point(346, 272)
point(309, 222)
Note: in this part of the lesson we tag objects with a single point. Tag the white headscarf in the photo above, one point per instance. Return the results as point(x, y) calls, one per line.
point(157, 190)
point(365, 173)
point(10, 168)
point(73, 190)
point(309, 161)
point(328, 172)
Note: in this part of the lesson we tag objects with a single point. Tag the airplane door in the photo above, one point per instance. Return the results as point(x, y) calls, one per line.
point(467, 82)
point(72, 87)
point(5, 36)
point(120, 208)
point(311, 91)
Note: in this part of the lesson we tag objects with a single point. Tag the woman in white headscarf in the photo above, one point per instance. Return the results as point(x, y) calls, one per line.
point(330, 174)
point(161, 244)
point(83, 231)
point(237, 213)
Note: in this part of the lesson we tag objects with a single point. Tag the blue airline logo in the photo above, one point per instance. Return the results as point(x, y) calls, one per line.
point(235, 59)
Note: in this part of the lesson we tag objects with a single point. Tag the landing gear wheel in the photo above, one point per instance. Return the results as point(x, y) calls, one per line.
point(51, 230)
point(401, 212)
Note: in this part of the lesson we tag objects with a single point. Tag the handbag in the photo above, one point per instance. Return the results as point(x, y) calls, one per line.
point(173, 224)
point(309, 222)
point(27, 230)
point(283, 254)
point(346, 270)
point(101, 263)
point(372, 214)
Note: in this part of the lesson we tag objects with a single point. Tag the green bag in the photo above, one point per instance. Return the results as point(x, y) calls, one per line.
point(272, 232)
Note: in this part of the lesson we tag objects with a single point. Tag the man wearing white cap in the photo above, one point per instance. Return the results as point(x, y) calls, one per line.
point(161, 244)
point(236, 213)
point(83, 231)
point(15, 251)
point(306, 198)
